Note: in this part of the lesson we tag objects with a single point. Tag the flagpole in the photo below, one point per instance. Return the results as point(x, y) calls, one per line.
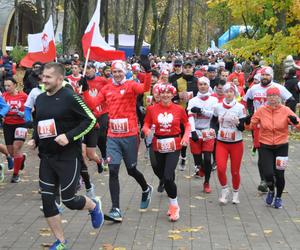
point(85, 66)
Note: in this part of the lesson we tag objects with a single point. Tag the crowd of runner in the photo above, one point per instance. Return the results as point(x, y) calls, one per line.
point(201, 101)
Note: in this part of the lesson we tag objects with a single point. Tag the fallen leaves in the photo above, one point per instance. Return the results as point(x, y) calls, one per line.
point(108, 246)
point(268, 232)
point(45, 232)
point(199, 197)
point(175, 237)
point(296, 220)
point(175, 234)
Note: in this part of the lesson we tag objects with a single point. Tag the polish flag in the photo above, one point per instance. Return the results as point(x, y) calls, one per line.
point(41, 46)
point(99, 50)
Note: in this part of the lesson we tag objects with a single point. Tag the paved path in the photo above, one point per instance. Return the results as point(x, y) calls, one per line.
point(204, 224)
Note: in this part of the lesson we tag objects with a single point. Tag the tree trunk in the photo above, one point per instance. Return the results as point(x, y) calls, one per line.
point(164, 22)
point(106, 21)
point(54, 14)
point(117, 23)
point(67, 27)
point(39, 8)
point(191, 6)
point(47, 10)
point(136, 22)
point(143, 28)
point(16, 23)
point(127, 10)
point(155, 32)
point(180, 23)
point(102, 14)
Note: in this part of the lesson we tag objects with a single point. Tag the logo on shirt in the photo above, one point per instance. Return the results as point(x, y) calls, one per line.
point(122, 91)
point(165, 120)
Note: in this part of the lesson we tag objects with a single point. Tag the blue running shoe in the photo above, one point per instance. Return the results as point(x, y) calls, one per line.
point(270, 198)
point(97, 216)
point(146, 198)
point(57, 245)
point(10, 162)
point(278, 202)
point(114, 215)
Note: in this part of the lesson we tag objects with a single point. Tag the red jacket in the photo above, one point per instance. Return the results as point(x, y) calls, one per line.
point(16, 105)
point(240, 76)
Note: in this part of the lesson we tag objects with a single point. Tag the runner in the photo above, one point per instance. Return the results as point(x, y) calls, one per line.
point(13, 126)
point(75, 77)
point(274, 119)
point(61, 120)
point(167, 117)
point(122, 141)
point(4, 108)
point(255, 98)
point(230, 117)
point(200, 110)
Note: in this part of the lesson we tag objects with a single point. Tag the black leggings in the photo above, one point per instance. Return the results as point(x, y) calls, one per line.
point(85, 175)
point(154, 164)
point(206, 163)
point(166, 163)
point(114, 184)
point(268, 161)
point(102, 139)
point(65, 173)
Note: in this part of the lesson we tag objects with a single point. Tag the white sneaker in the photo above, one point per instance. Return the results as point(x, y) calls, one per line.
point(235, 197)
point(224, 196)
point(91, 192)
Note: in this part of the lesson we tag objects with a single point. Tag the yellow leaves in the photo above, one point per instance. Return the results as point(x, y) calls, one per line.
point(45, 232)
point(175, 237)
point(107, 246)
point(268, 232)
point(175, 234)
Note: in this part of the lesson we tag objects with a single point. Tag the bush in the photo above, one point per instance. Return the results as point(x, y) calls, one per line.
point(18, 53)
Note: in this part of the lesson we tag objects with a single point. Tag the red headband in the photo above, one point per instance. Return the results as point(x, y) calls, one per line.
point(167, 88)
point(273, 91)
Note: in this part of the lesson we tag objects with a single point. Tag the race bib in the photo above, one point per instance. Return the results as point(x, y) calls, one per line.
point(208, 134)
point(281, 162)
point(166, 145)
point(46, 129)
point(119, 125)
point(20, 133)
point(149, 99)
point(227, 134)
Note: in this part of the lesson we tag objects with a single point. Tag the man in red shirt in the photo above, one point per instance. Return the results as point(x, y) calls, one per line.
point(75, 77)
point(237, 74)
point(122, 140)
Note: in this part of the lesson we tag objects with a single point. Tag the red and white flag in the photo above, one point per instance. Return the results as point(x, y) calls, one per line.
point(99, 50)
point(41, 46)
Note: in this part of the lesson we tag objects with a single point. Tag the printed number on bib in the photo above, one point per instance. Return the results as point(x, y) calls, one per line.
point(46, 129)
point(281, 162)
point(119, 125)
point(227, 134)
point(166, 145)
point(208, 134)
point(20, 133)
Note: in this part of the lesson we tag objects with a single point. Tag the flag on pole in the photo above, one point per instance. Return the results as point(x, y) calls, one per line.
point(92, 39)
point(41, 46)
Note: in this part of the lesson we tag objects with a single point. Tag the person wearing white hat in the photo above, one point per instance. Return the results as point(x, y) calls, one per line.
point(200, 111)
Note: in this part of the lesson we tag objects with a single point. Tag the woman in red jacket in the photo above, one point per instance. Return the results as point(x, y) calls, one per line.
point(273, 120)
point(167, 142)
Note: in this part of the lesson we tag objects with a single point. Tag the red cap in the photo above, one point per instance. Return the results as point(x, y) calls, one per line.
point(167, 88)
point(273, 91)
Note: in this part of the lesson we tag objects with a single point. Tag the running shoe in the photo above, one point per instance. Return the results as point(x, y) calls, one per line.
point(161, 186)
point(105, 165)
point(253, 151)
point(1, 172)
point(23, 161)
point(114, 215)
point(214, 166)
point(10, 162)
point(173, 212)
point(235, 197)
point(270, 198)
point(224, 196)
point(146, 198)
point(15, 179)
point(100, 167)
point(263, 187)
point(91, 192)
point(97, 214)
point(58, 245)
point(206, 188)
point(182, 163)
point(278, 202)
point(199, 172)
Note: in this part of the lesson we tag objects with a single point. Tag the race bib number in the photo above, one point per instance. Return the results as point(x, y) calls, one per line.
point(281, 162)
point(20, 133)
point(119, 125)
point(227, 134)
point(149, 99)
point(46, 129)
point(166, 145)
point(208, 134)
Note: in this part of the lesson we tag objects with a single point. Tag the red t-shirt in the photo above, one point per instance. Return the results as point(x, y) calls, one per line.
point(167, 120)
point(121, 103)
point(220, 98)
point(73, 81)
point(16, 104)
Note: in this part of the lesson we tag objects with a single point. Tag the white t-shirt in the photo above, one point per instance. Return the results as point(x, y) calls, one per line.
point(258, 94)
point(228, 131)
point(31, 98)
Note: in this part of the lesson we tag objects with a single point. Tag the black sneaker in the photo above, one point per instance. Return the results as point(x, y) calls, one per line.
point(161, 186)
point(263, 187)
point(15, 179)
point(100, 167)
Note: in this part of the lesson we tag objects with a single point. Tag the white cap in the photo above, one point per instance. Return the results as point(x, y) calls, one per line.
point(76, 56)
point(204, 80)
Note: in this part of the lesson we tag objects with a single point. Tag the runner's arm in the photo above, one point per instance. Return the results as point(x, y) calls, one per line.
point(143, 87)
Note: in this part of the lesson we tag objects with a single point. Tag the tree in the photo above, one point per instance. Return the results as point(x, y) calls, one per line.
point(191, 5)
point(117, 23)
point(67, 26)
point(155, 31)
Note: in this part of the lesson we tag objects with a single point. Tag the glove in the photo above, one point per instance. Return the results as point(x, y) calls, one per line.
point(83, 82)
point(293, 119)
point(145, 63)
point(196, 110)
point(195, 137)
point(248, 119)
